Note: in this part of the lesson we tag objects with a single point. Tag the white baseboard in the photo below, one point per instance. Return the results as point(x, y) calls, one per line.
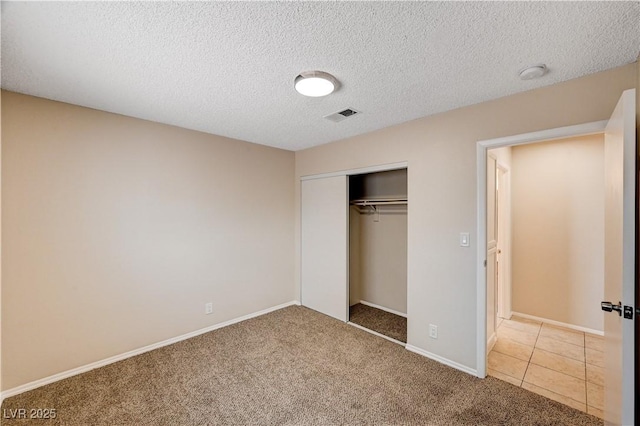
point(559, 324)
point(376, 333)
point(83, 369)
point(382, 308)
point(442, 360)
point(491, 342)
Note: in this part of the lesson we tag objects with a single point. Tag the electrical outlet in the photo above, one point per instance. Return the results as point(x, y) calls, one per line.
point(433, 331)
point(208, 308)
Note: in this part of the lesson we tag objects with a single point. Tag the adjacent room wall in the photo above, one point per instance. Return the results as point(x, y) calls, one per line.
point(117, 231)
point(558, 230)
point(441, 153)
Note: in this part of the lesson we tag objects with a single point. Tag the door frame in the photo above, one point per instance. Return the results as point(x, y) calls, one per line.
point(482, 148)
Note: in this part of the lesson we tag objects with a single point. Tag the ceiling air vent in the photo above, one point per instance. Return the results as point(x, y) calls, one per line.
point(341, 115)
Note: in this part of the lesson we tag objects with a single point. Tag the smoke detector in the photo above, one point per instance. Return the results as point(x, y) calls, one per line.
point(534, 71)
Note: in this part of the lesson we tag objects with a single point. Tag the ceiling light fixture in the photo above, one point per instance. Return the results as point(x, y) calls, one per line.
point(315, 83)
point(534, 71)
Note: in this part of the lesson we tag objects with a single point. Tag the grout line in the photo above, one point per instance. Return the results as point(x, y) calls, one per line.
point(586, 390)
point(531, 356)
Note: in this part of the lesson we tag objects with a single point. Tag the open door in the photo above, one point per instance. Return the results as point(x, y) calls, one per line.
point(324, 246)
point(492, 253)
point(620, 193)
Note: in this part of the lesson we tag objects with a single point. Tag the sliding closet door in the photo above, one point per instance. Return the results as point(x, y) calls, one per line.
point(325, 237)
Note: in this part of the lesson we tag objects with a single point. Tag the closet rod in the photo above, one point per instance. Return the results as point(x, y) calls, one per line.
point(378, 202)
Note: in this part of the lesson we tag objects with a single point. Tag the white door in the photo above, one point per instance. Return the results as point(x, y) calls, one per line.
point(502, 233)
point(492, 313)
point(620, 183)
point(324, 247)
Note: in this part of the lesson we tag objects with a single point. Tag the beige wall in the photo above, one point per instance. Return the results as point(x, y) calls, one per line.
point(117, 231)
point(379, 252)
point(558, 230)
point(441, 152)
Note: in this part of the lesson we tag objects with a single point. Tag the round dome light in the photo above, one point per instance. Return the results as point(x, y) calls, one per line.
point(315, 83)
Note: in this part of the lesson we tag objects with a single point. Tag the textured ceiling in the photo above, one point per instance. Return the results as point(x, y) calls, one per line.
point(228, 68)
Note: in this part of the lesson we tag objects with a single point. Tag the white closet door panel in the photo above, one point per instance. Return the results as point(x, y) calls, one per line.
point(324, 246)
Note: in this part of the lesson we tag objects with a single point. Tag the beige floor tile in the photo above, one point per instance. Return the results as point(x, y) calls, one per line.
point(595, 396)
point(554, 396)
point(595, 357)
point(507, 365)
point(522, 324)
point(556, 382)
point(563, 334)
point(593, 341)
point(595, 412)
point(558, 363)
point(595, 374)
point(517, 335)
point(513, 348)
point(504, 377)
point(561, 348)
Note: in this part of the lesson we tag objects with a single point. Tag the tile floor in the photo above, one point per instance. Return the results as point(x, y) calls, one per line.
point(558, 363)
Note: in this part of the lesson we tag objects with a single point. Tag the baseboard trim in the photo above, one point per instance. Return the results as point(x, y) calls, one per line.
point(382, 308)
point(491, 342)
point(88, 367)
point(442, 360)
point(558, 323)
point(391, 339)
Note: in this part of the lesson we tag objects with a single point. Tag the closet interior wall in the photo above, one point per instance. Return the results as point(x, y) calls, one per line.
point(378, 241)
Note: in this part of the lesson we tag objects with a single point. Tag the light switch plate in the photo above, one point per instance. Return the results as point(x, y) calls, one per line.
point(464, 239)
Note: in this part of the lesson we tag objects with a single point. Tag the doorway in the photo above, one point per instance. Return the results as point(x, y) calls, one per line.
point(619, 270)
point(558, 227)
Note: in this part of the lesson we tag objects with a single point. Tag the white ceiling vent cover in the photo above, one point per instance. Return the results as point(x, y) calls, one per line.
point(341, 115)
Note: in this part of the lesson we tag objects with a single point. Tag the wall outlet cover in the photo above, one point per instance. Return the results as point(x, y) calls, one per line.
point(433, 331)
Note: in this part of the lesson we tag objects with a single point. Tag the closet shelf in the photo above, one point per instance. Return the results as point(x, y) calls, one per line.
point(379, 201)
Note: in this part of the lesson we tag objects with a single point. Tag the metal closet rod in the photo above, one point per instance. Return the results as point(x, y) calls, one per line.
point(389, 201)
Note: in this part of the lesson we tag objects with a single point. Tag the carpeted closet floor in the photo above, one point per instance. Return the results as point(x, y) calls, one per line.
point(383, 322)
point(290, 367)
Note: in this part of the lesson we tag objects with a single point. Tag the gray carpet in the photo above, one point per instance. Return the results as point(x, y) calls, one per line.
point(383, 322)
point(290, 367)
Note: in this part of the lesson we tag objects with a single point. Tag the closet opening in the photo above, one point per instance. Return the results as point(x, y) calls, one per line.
point(378, 253)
